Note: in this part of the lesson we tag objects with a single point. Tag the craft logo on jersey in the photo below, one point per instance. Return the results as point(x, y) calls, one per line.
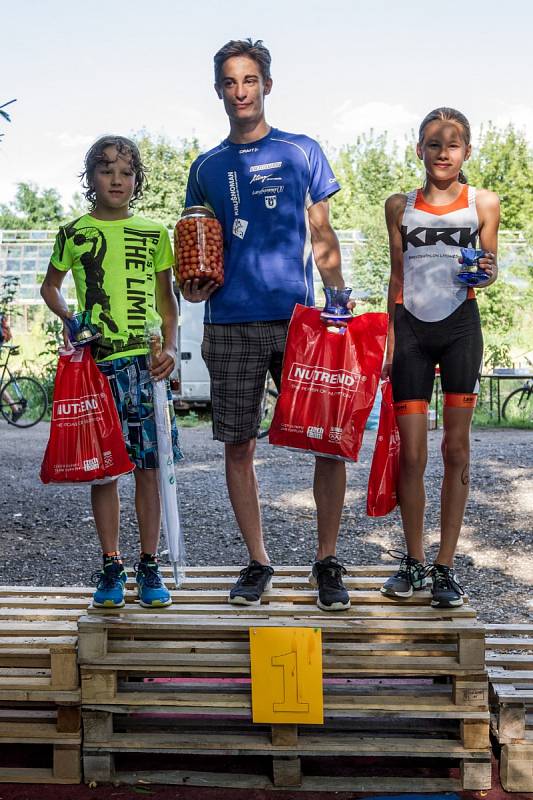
point(271, 201)
point(427, 237)
point(239, 227)
point(75, 409)
point(320, 376)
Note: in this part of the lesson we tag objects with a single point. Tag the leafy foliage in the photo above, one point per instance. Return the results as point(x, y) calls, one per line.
point(8, 292)
point(168, 168)
point(32, 208)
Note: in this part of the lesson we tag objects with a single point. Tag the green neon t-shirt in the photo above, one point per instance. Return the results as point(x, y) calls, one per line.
point(114, 264)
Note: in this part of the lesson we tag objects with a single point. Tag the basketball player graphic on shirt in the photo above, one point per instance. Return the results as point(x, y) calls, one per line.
point(92, 261)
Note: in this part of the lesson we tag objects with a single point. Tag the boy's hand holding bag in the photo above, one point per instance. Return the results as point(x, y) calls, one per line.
point(86, 444)
point(329, 381)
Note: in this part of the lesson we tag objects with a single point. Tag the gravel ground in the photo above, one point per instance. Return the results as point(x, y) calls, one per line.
point(48, 537)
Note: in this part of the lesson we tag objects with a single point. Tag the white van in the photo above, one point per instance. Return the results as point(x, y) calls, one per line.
point(190, 379)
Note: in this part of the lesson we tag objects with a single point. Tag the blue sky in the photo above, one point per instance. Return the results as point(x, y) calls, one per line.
point(82, 69)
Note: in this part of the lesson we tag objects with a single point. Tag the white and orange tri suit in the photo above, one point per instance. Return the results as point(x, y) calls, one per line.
point(436, 317)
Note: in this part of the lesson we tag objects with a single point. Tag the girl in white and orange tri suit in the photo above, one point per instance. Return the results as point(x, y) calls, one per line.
point(434, 320)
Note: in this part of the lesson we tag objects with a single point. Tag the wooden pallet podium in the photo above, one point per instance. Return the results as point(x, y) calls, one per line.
point(40, 697)
point(510, 663)
point(166, 694)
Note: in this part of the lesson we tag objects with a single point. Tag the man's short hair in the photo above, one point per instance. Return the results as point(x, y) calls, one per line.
point(243, 47)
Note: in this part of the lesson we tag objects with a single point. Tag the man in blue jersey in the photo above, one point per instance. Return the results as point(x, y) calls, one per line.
point(269, 190)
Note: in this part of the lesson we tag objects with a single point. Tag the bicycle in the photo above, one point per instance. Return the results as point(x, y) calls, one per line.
point(267, 407)
point(23, 401)
point(518, 406)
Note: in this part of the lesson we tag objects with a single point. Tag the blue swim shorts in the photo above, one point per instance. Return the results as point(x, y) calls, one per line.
point(131, 385)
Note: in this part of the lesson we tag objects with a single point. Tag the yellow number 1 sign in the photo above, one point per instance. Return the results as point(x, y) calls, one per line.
point(286, 675)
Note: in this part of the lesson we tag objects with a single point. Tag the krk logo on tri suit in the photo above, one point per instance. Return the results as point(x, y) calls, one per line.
point(424, 237)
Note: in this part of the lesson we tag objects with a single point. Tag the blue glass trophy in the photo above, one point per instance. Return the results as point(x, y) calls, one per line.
point(471, 273)
point(336, 308)
point(81, 331)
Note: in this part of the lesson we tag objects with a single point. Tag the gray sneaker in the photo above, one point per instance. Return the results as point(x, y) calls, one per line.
point(445, 591)
point(411, 577)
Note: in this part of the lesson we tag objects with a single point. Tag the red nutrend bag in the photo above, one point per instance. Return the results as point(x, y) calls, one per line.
point(328, 384)
point(86, 444)
point(383, 479)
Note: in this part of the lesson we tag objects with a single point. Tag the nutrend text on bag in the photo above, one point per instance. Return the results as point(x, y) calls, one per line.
point(318, 378)
point(78, 410)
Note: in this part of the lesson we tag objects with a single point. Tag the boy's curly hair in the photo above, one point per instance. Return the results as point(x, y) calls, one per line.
point(95, 155)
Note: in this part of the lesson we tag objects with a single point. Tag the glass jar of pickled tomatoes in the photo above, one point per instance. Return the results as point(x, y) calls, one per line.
point(198, 247)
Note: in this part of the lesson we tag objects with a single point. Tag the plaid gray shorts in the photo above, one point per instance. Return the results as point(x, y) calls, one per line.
point(238, 357)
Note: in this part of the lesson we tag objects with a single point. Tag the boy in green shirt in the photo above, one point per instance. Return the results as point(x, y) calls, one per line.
point(121, 265)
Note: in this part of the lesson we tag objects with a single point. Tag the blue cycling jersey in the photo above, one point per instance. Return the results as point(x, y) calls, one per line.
point(260, 193)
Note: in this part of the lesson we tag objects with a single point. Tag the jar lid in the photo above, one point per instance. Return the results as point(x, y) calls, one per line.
point(197, 211)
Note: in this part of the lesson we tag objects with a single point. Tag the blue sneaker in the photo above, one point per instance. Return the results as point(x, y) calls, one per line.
point(152, 591)
point(110, 587)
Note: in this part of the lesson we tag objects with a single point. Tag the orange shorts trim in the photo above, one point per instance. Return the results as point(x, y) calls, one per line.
point(460, 400)
point(404, 407)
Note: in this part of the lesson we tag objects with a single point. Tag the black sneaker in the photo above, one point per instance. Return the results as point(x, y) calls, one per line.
point(327, 575)
point(411, 577)
point(253, 580)
point(445, 591)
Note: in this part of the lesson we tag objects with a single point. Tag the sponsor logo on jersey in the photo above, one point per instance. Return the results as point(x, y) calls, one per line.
point(239, 227)
point(235, 198)
point(90, 463)
point(263, 178)
point(315, 432)
point(332, 180)
point(271, 200)
point(427, 237)
point(249, 150)
point(335, 378)
point(272, 165)
point(268, 190)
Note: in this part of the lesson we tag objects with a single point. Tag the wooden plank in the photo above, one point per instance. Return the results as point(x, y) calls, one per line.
point(509, 643)
point(476, 776)
point(475, 734)
point(177, 625)
point(516, 767)
point(286, 772)
point(282, 609)
point(284, 735)
point(308, 744)
point(309, 783)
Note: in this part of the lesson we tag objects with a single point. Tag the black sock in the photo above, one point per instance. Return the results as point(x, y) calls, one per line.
point(113, 556)
point(148, 558)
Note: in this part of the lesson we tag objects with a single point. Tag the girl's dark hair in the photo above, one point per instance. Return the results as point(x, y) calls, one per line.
point(243, 47)
point(447, 114)
point(95, 156)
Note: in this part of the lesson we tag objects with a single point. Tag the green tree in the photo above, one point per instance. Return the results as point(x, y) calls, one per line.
point(32, 208)
point(168, 168)
point(503, 162)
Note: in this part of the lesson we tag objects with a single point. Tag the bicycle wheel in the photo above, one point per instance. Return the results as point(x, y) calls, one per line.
point(267, 408)
point(518, 406)
point(23, 402)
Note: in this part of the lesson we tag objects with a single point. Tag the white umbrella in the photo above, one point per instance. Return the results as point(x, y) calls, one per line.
point(167, 479)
